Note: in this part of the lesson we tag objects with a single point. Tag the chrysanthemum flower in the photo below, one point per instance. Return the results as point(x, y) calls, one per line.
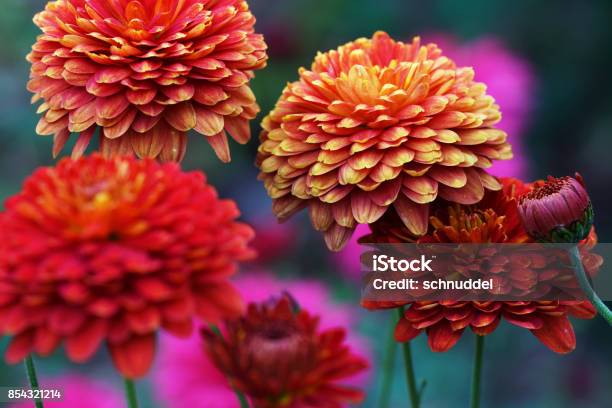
point(278, 357)
point(511, 80)
point(185, 375)
point(112, 250)
point(145, 72)
point(495, 219)
point(379, 124)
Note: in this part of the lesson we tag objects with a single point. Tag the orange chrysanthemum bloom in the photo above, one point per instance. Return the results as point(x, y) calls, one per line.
point(495, 219)
point(279, 357)
point(112, 250)
point(379, 124)
point(145, 72)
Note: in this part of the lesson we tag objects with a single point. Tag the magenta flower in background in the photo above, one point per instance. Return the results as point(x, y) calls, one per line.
point(274, 239)
point(347, 261)
point(185, 377)
point(510, 80)
point(79, 392)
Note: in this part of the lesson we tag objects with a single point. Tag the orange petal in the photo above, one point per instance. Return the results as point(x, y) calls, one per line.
point(471, 193)
point(343, 213)
point(404, 331)
point(134, 357)
point(59, 141)
point(209, 95)
point(141, 96)
point(111, 106)
point(112, 75)
point(286, 206)
point(82, 345)
point(208, 122)
point(219, 144)
point(143, 123)
point(174, 148)
point(239, 129)
point(365, 211)
point(414, 216)
point(557, 334)
point(488, 181)
point(122, 126)
point(115, 147)
point(442, 337)
point(320, 215)
point(215, 302)
point(82, 142)
point(179, 93)
point(45, 341)
point(336, 237)
point(150, 144)
point(181, 117)
point(386, 193)
point(20, 346)
point(449, 176)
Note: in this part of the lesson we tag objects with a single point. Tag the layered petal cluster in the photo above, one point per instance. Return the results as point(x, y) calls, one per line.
point(495, 219)
point(277, 355)
point(379, 124)
point(511, 80)
point(145, 72)
point(111, 251)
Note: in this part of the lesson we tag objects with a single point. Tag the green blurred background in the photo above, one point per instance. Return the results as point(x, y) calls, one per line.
point(566, 44)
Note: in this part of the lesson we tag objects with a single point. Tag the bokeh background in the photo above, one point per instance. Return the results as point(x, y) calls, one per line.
point(547, 64)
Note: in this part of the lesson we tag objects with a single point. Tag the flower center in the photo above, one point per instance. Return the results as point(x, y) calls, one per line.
point(552, 186)
point(278, 344)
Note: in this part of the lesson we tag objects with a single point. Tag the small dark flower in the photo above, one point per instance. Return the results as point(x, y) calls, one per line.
point(279, 357)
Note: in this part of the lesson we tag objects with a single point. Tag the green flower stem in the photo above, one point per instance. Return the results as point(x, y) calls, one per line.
point(410, 378)
point(388, 367)
point(130, 393)
point(477, 372)
point(601, 307)
point(244, 402)
point(31, 372)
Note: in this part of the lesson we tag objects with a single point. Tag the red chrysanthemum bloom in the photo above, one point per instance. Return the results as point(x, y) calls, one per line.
point(495, 219)
point(112, 250)
point(145, 72)
point(379, 124)
point(278, 357)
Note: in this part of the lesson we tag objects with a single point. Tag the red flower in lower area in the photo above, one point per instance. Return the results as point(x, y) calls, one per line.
point(444, 322)
point(278, 357)
point(495, 219)
point(97, 250)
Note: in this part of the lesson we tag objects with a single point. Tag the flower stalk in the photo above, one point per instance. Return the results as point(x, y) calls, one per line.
point(130, 393)
point(477, 372)
point(244, 403)
point(583, 280)
point(33, 379)
point(388, 368)
point(413, 392)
